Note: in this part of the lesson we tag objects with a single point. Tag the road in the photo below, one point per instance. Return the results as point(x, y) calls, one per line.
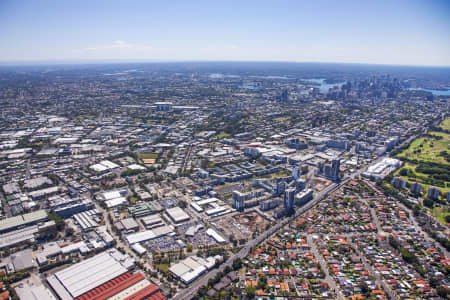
point(374, 216)
point(28, 169)
point(368, 267)
point(186, 158)
point(323, 264)
point(419, 229)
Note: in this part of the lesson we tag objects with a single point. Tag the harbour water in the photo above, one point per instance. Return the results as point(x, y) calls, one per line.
point(324, 87)
point(434, 92)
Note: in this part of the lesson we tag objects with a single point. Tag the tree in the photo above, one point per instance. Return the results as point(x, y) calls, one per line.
point(250, 291)
point(237, 264)
point(69, 231)
point(408, 256)
point(393, 242)
point(227, 270)
point(58, 221)
point(443, 292)
point(428, 203)
point(262, 282)
point(364, 288)
point(189, 248)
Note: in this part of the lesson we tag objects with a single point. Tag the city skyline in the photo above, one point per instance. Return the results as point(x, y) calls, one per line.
point(386, 32)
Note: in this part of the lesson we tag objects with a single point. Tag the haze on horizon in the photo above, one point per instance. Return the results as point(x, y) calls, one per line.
point(399, 32)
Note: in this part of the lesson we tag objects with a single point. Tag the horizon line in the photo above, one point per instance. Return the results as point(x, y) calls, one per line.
point(32, 63)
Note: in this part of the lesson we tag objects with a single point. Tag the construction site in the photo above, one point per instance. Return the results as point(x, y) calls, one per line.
point(242, 226)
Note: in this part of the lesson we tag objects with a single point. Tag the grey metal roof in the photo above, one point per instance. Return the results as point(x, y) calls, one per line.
point(88, 274)
point(24, 219)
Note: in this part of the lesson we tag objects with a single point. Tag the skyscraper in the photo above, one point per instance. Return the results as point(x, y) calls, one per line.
point(335, 165)
point(289, 195)
point(415, 187)
point(238, 200)
point(296, 173)
point(331, 170)
point(300, 184)
point(284, 97)
point(280, 187)
point(433, 193)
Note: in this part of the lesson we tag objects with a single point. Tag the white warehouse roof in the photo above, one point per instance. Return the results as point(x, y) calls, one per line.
point(148, 234)
point(177, 214)
point(115, 202)
point(192, 267)
point(211, 232)
point(79, 278)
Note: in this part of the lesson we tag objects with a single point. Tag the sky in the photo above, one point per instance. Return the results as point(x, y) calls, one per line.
point(399, 32)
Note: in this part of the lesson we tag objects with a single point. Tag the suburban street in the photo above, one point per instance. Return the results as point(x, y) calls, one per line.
point(367, 265)
point(323, 264)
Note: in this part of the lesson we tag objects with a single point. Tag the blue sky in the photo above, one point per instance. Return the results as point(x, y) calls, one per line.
point(406, 32)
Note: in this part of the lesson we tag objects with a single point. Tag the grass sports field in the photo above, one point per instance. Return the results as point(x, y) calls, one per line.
point(428, 148)
point(431, 148)
point(440, 213)
point(445, 124)
point(222, 135)
point(148, 155)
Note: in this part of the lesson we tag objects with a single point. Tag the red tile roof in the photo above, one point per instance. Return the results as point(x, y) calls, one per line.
point(150, 292)
point(4, 295)
point(112, 287)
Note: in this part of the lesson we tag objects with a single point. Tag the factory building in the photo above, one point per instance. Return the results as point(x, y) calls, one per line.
point(147, 235)
point(193, 267)
point(126, 286)
point(177, 215)
point(89, 274)
point(33, 292)
point(217, 237)
point(10, 224)
point(113, 198)
point(152, 221)
point(127, 225)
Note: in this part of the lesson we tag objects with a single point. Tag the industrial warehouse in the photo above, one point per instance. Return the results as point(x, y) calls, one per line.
point(84, 276)
point(192, 267)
